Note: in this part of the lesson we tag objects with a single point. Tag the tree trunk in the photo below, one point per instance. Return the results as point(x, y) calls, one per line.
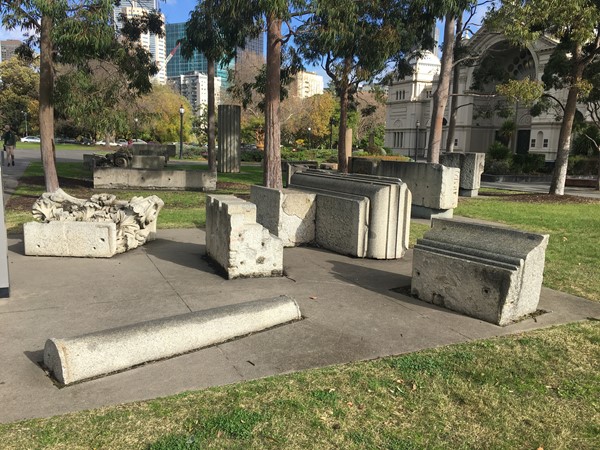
point(453, 98)
point(212, 157)
point(559, 176)
point(344, 100)
point(272, 153)
point(440, 97)
point(46, 105)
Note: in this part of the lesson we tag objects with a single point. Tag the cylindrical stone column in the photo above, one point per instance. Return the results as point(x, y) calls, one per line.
point(229, 152)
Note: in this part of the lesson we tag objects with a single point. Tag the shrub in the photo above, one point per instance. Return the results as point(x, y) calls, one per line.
point(528, 163)
point(582, 165)
point(252, 155)
point(498, 151)
point(497, 166)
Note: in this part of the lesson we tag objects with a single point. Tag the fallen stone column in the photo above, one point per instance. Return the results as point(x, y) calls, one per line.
point(491, 273)
point(83, 357)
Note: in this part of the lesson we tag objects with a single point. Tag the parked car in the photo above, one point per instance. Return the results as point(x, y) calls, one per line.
point(35, 139)
point(122, 142)
point(65, 140)
point(139, 141)
point(112, 144)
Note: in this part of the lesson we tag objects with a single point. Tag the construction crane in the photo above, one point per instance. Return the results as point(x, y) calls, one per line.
point(172, 53)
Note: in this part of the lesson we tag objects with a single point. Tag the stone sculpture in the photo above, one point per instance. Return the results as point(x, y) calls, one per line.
point(120, 158)
point(135, 220)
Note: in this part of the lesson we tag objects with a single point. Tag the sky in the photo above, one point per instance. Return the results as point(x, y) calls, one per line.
point(177, 11)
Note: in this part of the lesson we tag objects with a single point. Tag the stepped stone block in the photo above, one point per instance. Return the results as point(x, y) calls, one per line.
point(239, 245)
point(491, 273)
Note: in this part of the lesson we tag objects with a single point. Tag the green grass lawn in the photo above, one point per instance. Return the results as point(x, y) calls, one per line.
point(539, 389)
point(572, 256)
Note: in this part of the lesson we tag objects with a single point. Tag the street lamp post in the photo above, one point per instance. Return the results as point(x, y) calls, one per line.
point(181, 111)
point(417, 140)
point(331, 133)
point(136, 128)
point(25, 114)
point(309, 137)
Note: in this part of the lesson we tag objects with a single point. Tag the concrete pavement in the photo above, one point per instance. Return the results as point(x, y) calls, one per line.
point(353, 310)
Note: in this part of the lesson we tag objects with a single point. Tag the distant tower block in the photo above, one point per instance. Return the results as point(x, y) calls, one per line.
point(229, 152)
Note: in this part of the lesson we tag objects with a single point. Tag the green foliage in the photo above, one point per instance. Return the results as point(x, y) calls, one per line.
point(254, 155)
point(498, 151)
point(526, 91)
point(528, 163)
point(583, 165)
point(501, 161)
point(584, 141)
point(19, 86)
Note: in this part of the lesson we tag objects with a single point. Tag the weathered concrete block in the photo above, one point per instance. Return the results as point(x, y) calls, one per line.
point(364, 166)
point(389, 206)
point(471, 167)
point(288, 214)
point(147, 162)
point(342, 223)
point(179, 180)
point(289, 168)
point(491, 273)
point(65, 238)
point(432, 185)
point(166, 150)
point(239, 245)
point(104, 352)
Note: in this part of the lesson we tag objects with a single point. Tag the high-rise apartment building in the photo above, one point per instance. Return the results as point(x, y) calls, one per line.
point(7, 49)
point(197, 63)
point(194, 87)
point(306, 84)
point(156, 45)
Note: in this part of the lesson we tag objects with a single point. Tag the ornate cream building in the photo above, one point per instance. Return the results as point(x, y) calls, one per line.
point(408, 113)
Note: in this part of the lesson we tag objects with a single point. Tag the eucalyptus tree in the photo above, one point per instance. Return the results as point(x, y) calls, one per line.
point(576, 26)
point(355, 41)
point(204, 33)
point(75, 32)
point(255, 16)
point(450, 10)
point(19, 81)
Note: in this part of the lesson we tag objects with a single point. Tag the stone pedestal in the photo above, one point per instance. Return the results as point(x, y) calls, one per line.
point(471, 167)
